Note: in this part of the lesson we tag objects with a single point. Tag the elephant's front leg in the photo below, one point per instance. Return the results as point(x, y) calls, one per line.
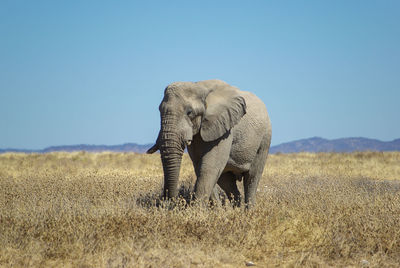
point(212, 163)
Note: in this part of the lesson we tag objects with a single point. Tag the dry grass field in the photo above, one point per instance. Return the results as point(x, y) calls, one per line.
point(99, 210)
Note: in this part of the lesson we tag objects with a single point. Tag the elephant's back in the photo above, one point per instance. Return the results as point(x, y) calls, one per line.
point(256, 112)
point(249, 133)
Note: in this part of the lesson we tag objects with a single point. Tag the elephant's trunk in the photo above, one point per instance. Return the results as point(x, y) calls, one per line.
point(171, 149)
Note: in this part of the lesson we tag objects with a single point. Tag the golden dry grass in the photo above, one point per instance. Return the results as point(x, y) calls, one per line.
point(98, 210)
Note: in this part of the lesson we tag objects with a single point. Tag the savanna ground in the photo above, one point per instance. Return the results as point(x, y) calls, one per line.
point(99, 210)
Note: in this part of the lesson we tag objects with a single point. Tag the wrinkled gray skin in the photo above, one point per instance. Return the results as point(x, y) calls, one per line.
point(227, 132)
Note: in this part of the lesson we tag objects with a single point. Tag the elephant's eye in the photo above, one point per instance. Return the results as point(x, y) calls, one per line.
point(190, 112)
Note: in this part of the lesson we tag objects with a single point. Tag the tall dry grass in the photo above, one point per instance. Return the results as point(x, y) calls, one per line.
point(98, 210)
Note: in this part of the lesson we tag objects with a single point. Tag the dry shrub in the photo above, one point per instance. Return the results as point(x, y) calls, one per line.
point(103, 210)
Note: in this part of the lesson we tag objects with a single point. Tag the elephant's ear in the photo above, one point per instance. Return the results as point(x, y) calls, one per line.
point(224, 109)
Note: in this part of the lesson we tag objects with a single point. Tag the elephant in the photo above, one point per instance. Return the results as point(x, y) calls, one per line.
point(227, 133)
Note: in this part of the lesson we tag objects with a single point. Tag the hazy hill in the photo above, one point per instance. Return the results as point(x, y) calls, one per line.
point(127, 147)
point(315, 144)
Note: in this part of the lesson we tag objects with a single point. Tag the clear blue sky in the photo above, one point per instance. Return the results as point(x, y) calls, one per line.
point(94, 72)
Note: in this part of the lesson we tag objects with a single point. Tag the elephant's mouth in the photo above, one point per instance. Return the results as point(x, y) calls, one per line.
point(188, 142)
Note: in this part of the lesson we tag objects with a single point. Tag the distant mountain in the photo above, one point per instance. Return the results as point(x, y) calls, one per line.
point(317, 144)
point(127, 147)
point(7, 150)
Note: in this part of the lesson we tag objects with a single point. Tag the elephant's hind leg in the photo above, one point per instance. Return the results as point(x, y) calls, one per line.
point(227, 181)
point(253, 176)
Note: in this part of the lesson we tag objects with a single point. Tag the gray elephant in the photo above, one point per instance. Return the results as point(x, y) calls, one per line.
point(227, 133)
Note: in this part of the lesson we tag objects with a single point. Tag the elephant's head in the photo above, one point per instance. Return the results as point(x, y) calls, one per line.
point(209, 108)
